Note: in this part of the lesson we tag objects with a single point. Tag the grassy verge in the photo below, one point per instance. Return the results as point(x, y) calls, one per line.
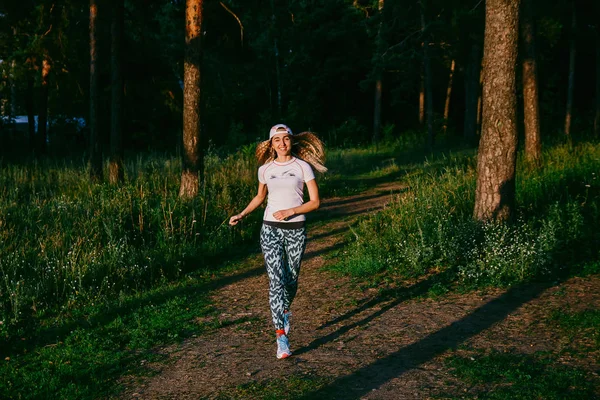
point(519, 376)
point(290, 387)
point(430, 229)
point(82, 355)
point(541, 375)
point(581, 327)
point(66, 243)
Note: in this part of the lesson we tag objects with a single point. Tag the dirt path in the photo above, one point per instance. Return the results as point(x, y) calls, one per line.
point(374, 344)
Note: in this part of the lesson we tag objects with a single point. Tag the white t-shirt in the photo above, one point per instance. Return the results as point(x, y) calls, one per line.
point(285, 184)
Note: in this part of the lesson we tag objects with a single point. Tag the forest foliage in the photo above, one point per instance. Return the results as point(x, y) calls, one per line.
point(312, 64)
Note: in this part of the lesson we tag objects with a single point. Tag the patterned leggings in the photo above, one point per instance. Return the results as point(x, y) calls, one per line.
point(283, 249)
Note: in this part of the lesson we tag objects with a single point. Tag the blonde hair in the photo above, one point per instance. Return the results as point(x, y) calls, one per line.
point(306, 146)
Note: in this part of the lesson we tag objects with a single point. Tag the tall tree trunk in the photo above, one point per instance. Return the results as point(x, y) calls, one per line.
point(42, 132)
point(192, 155)
point(95, 156)
point(29, 109)
point(496, 160)
point(13, 90)
point(571, 86)
point(533, 143)
point(12, 102)
point(277, 61)
point(479, 98)
point(597, 118)
point(422, 94)
point(278, 76)
point(448, 96)
point(472, 91)
point(115, 167)
point(428, 79)
point(378, 81)
point(377, 110)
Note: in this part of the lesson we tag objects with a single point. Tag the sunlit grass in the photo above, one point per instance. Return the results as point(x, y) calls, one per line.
point(65, 242)
point(518, 376)
point(81, 356)
point(430, 227)
point(292, 386)
point(581, 324)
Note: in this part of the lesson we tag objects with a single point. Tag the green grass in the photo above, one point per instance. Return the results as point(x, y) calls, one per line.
point(82, 355)
point(288, 387)
point(430, 227)
point(519, 376)
point(67, 243)
point(94, 277)
point(352, 170)
point(580, 324)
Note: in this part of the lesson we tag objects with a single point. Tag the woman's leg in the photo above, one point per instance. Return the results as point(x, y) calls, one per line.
point(271, 242)
point(295, 244)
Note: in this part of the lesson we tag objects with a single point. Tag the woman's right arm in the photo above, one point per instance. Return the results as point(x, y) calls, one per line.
point(253, 205)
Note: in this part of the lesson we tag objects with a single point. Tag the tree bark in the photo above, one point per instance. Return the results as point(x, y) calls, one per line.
point(378, 79)
point(531, 110)
point(448, 96)
point(496, 160)
point(422, 95)
point(428, 79)
point(116, 173)
point(278, 77)
point(597, 117)
point(95, 157)
point(42, 132)
point(377, 111)
point(472, 91)
point(277, 68)
point(192, 155)
point(479, 100)
point(571, 85)
point(10, 107)
point(13, 89)
point(30, 112)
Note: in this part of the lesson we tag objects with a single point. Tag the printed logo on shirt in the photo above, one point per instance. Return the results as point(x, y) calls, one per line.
point(285, 174)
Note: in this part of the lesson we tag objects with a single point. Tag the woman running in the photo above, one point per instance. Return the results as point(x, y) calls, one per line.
point(286, 161)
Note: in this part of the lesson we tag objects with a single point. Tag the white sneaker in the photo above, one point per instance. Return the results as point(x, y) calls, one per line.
point(283, 347)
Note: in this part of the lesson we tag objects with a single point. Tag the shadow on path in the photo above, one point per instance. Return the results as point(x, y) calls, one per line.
point(311, 254)
point(398, 296)
point(357, 200)
point(332, 232)
point(364, 380)
point(354, 206)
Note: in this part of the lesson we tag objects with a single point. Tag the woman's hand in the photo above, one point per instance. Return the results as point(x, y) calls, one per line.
point(235, 219)
point(254, 203)
point(282, 215)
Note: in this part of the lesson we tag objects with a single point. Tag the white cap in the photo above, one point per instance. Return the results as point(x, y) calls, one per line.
point(280, 128)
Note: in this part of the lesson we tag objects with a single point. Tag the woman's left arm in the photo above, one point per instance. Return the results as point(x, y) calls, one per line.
point(310, 205)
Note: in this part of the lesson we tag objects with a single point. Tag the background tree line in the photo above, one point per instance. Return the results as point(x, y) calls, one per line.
point(314, 64)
